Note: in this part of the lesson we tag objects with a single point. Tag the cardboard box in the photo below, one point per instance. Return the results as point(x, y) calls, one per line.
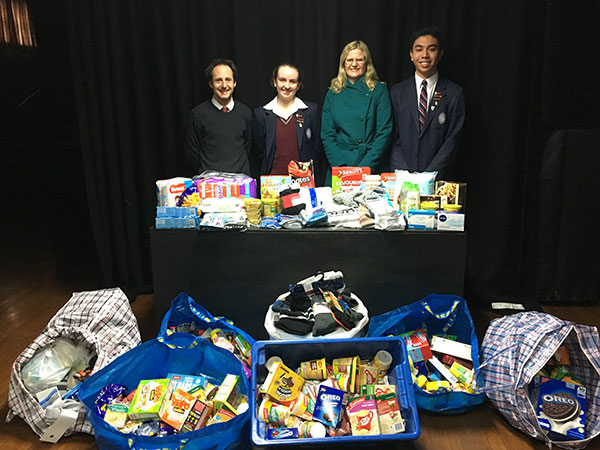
point(560, 408)
point(456, 192)
point(176, 211)
point(449, 221)
point(161, 223)
point(177, 408)
point(270, 185)
point(149, 399)
point(452, 348)
point(186, 382)
point(347, 179)
point(197, 417)
point(417, 345)
point(421, 219)
point(294, 352)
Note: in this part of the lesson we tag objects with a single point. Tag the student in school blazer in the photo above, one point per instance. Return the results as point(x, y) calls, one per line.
point(308, 133)
point(432, 149)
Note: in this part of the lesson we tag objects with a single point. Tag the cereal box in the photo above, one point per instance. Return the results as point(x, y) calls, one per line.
point(186, 382)
point(149, 400)
point(178, 408)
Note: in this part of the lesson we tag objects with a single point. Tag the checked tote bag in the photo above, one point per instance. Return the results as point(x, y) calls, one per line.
point(516, 347)
point(103, 320)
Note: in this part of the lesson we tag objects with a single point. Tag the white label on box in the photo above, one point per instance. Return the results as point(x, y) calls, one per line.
point(452, 348)
point(503, 305)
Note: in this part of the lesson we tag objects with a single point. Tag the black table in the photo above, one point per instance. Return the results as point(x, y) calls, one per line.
point(239, 274)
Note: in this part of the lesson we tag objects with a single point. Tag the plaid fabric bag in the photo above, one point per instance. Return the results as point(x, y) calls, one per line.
point(103, 320)
point(514, 350)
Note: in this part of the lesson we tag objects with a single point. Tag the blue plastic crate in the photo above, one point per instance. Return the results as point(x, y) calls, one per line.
point(294, 352)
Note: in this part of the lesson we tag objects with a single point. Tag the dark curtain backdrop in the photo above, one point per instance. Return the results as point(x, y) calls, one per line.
point(139, 67)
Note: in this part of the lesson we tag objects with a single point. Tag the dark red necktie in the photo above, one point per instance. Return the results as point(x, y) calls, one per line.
point(225, 109)
point(422, 105)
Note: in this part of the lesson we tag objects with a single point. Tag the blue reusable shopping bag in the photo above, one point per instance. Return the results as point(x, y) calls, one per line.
point(185, 310)
point(435, 314)
point(180, 353)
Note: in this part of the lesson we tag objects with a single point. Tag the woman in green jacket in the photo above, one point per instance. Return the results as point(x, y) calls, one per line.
point(357, 116)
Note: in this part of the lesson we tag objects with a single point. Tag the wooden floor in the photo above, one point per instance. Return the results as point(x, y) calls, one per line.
point(40, 271)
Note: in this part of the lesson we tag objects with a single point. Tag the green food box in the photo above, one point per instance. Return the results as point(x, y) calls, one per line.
point(149, 399)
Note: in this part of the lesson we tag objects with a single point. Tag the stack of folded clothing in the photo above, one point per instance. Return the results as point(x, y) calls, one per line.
point(319, 304)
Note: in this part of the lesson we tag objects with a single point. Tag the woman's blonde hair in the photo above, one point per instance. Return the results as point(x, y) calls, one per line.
point(371, 79)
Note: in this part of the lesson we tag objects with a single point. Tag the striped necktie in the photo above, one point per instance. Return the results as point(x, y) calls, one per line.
point(422, 105)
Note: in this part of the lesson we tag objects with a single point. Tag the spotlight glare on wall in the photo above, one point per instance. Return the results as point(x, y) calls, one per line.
point(15, 24)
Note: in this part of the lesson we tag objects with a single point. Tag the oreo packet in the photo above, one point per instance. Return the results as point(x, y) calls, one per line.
point(560, 409)
point(329, 406)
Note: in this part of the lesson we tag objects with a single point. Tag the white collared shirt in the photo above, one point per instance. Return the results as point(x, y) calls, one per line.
point(431, 82)
point(273, 106)
point(217, 105)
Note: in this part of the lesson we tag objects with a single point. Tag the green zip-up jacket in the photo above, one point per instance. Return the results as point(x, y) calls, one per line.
point(357, 126)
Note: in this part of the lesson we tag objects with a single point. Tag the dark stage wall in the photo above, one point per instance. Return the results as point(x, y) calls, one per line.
point(137, 69)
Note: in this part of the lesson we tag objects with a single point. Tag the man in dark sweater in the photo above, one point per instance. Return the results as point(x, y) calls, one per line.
point(219, 132)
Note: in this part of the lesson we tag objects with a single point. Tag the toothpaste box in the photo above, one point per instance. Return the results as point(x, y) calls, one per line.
point(329, 406)
point(560, 408)
point(347, 179)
